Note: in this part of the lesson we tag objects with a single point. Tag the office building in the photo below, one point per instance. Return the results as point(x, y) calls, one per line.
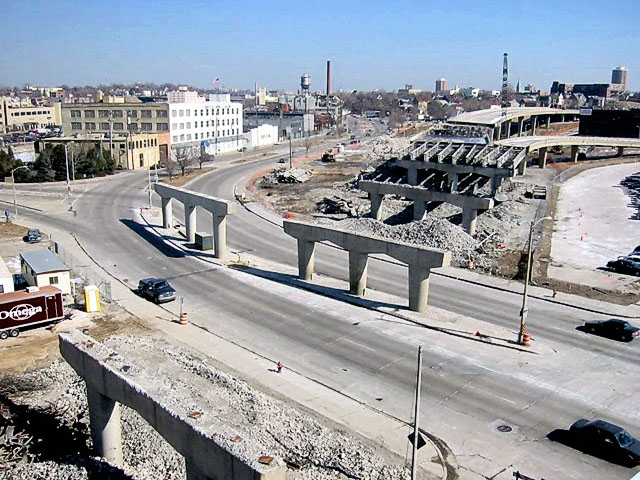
point(22, 115)
point(441, 85)
point(620, 76)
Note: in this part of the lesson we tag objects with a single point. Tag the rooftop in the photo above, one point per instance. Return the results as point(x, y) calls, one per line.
point(43, 261)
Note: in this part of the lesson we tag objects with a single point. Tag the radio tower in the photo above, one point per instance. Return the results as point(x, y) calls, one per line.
point(505, 82)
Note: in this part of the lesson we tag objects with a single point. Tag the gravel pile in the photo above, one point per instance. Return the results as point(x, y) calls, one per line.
point(289, 175)
point(50, 406)
point(384, 147)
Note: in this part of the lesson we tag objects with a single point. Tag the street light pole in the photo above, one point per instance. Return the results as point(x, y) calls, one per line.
point(290, 152)
point(524, 311)
point(66, 162)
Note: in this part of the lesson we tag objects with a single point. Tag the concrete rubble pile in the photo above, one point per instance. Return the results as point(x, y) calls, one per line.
point(311, 450)
point(338, 205)
point(384, 147)
point(293, 175)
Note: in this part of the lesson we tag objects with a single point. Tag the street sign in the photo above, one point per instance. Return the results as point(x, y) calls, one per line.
point(421, 441)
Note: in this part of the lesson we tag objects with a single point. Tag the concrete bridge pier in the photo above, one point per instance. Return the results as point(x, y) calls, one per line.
point(376, 205)
point(574, 153)
point(542, 159)
point(520, 126)
point(533, 126)
point(412, 176)
point(496, 132)
point(496, 184)
point(454, 182)
point(469, 218)
point(220, 236)
point(167, 213)
point(620, 152)
point(548, 120)
point(306, 250)
point(418, 288)
point(104, 419)
point(522, 167)
point(190, 222)
point(419, 210)
point(358, 263)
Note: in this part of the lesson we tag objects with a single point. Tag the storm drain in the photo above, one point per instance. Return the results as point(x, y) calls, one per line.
point(504, 428)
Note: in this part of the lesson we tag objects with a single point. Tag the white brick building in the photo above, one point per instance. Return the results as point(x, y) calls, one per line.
point(213, 126)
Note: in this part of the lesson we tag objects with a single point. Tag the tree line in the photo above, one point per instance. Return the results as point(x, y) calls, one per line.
point(51, 164)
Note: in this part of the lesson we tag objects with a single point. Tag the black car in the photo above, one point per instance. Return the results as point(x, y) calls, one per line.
point(626, 265)
point(157, 290)
point(614, 328)
point(33, 235)
point(606, 440)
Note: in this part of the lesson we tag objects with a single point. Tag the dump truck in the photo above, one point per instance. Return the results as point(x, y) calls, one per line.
point(34, 306)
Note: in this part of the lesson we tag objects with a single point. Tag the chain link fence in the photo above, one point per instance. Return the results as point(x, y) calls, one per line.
point(83, 271)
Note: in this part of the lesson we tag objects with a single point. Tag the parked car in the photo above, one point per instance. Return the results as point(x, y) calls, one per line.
point(157, 290)
point(33, 235)
point(242, 149)
point(613, 328)
point(283, 160)
point(625, 265)
point(636, 251)
point(607, 440)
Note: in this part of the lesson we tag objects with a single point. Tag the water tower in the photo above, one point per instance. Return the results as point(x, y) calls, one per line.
point(305, 83)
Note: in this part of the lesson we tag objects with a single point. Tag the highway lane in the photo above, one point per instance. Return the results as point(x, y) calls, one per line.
point(469, 386)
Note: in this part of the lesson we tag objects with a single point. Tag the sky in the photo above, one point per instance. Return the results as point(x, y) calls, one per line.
point(371, 44)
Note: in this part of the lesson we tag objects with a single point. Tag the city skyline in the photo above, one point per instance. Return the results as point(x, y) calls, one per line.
point(374, 47)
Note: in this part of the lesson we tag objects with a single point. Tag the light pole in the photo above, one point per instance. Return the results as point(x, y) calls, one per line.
point(66, 161)
point(13, 182)
point(524, 311)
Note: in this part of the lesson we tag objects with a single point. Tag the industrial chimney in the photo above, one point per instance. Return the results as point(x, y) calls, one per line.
point(328, 77)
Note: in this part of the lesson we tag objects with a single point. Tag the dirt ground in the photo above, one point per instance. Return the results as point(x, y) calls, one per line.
point(11, 230)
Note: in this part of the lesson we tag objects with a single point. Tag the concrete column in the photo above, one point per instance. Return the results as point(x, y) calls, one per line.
point(491, 134)
point(548, 121)
point(454, 182)
point(104, 418)
point(520, 126)
point(412, 176)
point(167, 213)
point(358, 263)
point(193, 472)
point(419, 210)
point(497, 132)
point(533, 125)
point(190, 222)
point(418, 288)
point(496, 183)
point(542, 157)
point(376, 205)
point(220, 236)
point(305, 259)
point(507, 129)
point(620, 151)
point(522, 167)
point(562, 118)
point(469, 217)
point(574, 153)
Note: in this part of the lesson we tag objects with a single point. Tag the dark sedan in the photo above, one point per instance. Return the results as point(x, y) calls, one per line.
point(606, 440)
point(614, 328)
point(626, 265)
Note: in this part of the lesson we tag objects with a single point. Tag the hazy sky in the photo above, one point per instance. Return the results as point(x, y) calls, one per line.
point(372, 44)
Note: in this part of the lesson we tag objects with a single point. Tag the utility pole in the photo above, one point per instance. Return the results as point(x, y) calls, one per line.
point(290, 152)
point(505, 84)
point(416, 416)
point(66, 161)
point(525, 311)
point(149, 179)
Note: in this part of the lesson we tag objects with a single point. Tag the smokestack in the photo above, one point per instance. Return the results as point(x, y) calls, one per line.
point(328, 77)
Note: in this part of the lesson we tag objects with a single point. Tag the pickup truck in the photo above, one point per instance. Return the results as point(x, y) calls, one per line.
point(157, 290)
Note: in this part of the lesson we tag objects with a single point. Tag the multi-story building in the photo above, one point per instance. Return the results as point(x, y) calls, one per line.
point(441, 84)
point(23, 115)
point(620, 76)
point(182, 95)
point(213, 126)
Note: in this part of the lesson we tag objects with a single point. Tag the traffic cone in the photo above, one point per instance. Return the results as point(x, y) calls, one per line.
point(184, 320)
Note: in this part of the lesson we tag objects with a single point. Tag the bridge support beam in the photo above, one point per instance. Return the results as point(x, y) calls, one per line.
point(574, 153)
point(507, 129)
point(520, 126)
point(306, 251)
point(412, 176)
point(542, 159)
point(190, 222)
point(620, 152)
point(418, 288)
point(548, 121)
point(167, 213)
point(104, 423)
point(469, 218)
point(533, 125)
point(419, 210)
point(454, 182)
point(496, 134)
point(220, 236)
point(358, 263)
point(376, 205)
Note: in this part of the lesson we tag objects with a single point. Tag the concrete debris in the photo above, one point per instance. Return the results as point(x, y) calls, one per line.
point(292, 175)
point(50, 406)
point(337, 205)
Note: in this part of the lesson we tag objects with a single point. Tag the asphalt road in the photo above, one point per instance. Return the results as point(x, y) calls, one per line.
point(468, 388)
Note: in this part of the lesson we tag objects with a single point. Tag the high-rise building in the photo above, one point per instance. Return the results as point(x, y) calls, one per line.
point(441, 84)
point(620, 76)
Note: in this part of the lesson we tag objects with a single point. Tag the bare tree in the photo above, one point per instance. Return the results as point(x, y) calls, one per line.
point(204, 157)
point(183, 158)
point(309, 143)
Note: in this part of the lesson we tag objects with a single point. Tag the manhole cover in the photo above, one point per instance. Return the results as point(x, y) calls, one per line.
point(504, 428)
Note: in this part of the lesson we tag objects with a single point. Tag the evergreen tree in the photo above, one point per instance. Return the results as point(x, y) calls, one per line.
point(59, 162)
point(43, 166)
